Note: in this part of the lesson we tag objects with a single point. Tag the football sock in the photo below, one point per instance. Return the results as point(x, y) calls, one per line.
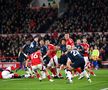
point(86, 74)
point(43, 74)
point(69, 75)
point(78, 70)
point(49, 77)
point(53, 71)
point(58, 71)
point(92, 73)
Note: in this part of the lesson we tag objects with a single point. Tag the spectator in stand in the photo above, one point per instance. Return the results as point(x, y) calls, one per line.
point(106, 51)
point(95, 57)
point(18, 17)
point(80, 16)
point(83, 15)
point(9, 44)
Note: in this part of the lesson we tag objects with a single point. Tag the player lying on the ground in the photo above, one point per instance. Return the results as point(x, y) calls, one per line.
point(37, 64)
point(8, 74)
point(75, 60)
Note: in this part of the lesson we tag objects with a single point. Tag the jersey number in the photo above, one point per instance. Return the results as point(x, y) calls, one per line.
point(75, 53)
point(34, 56)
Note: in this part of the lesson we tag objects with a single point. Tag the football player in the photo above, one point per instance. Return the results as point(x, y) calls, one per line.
point(37, 64)
point(53, 59)
point(75, 60)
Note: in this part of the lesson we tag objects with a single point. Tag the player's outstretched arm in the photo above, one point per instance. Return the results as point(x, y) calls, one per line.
point(26, 64)
point(46, 54)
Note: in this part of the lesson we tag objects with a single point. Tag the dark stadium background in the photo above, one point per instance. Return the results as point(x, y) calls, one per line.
point(20, 20)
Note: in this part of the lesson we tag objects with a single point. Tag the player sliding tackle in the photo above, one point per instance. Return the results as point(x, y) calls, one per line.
point(75, 60)
point(37, 64)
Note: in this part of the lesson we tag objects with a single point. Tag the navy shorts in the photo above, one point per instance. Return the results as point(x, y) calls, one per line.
point(63, 60)
point(79, 63)
point(46, 60)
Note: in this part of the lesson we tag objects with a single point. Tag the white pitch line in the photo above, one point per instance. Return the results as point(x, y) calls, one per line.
point(10, 79)
point(104, 89)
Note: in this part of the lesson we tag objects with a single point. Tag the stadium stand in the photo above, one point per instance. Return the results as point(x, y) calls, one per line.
point(81, 15)
point(18, 17)
point(10, 44)
point(80, 18)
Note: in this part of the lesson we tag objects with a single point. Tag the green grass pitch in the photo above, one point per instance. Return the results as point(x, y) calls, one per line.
point(98, 83)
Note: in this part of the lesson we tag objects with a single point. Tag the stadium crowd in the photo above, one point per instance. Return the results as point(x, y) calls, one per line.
point(11, 44)
point(80, 18)
point(82, 15)
point(18, 17)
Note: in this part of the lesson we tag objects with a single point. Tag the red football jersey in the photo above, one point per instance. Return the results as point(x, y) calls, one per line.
point(51, 50)
point(35, 58)
point(70, 42)
point(86, 47)
point(0, 75)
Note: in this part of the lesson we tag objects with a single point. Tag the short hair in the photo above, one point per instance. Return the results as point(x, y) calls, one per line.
point(36, 36)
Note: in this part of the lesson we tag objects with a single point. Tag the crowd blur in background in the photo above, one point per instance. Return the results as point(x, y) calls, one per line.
point(82, 18)
point(18, 17)
point(10, 44)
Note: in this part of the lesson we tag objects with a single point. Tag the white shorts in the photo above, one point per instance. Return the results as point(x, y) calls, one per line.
point(53, 61)
point(39, 66)
point(87, 62)
point(7, 75)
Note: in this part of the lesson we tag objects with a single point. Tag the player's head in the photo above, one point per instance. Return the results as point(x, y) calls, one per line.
point(66, 36)
point(84, 40)
point(41, 42)
point(91, 47)
point(27, 42)
point(47, 42)
point(63, 41)
point(95, 47)
point(78, 41)
point(57, 47)
point(36, 38)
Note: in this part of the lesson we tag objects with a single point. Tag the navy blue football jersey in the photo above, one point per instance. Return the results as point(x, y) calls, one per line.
point(74, 55)
point(43, 50)
point(32, 47)
point(26, 48)
point(80, 49)
point(63, 48)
